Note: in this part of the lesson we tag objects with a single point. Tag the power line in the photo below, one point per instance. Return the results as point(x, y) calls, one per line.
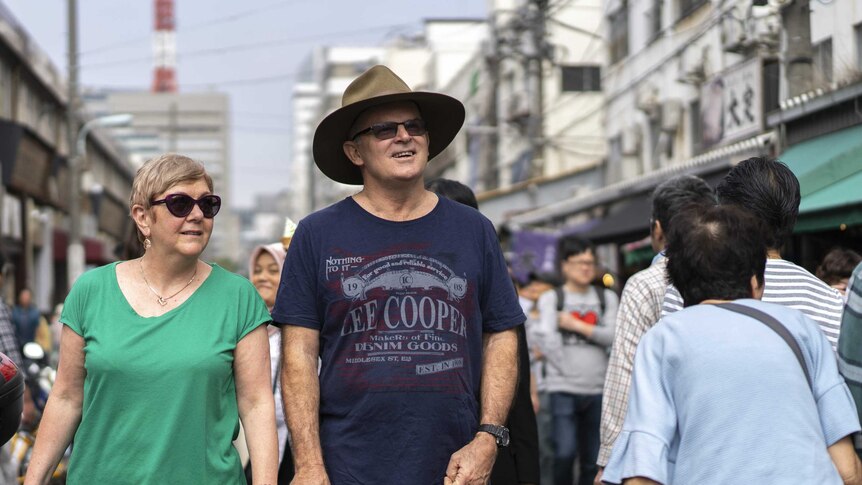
point(253, 45)
point(248, 81)
point(220, 20)
point(261, 114)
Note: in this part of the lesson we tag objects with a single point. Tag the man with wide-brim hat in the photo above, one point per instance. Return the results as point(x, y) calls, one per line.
point(406, 300)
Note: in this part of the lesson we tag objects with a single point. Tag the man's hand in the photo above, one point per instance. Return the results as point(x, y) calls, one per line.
point(471, 465)
point(598, 479)
point(310, 475)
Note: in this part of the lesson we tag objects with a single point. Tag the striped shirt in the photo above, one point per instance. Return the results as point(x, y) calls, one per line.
point(850, 344)
point(640, 309)
point(790, 285)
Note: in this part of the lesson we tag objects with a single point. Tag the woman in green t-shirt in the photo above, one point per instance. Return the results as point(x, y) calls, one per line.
point(161, 356)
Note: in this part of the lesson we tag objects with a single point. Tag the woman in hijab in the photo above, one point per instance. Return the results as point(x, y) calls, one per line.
point(264, 270)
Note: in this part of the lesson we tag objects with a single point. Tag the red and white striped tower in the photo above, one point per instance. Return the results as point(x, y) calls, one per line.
point(165, 48)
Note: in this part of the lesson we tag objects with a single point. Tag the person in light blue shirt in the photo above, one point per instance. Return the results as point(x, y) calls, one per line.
point(717, 396)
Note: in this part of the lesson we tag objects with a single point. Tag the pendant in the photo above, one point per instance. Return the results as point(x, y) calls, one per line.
point(162, 301)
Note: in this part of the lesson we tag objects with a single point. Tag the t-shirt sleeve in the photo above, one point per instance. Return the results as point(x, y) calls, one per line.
point(603, 334)
point(838, 417)
point(500, 307)
point(296, 301)
point(73, 307)
point(253, 310)
point(643, 446)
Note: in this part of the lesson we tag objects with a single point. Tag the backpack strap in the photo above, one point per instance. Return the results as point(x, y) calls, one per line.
point(600, 293)
point(777, 327)
point(561, 297)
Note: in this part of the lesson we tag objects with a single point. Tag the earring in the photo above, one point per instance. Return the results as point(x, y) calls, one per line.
point(147, 243)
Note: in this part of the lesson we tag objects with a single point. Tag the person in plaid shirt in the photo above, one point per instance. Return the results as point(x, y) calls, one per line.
point(8, 341)
point(640, 305)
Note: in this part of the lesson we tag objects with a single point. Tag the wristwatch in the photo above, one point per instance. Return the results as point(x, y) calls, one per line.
point(500, 433)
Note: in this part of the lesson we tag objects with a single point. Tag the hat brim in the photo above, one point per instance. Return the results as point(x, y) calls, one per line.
point(443, 115)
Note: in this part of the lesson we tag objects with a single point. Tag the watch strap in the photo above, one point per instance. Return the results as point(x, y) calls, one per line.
point(500, 433)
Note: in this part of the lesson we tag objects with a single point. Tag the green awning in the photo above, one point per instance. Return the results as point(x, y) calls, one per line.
point(829, 169)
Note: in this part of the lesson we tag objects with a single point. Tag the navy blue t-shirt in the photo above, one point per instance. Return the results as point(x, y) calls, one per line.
point(401, 308)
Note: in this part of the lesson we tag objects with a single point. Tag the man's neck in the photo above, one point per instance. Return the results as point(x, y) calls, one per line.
point(396, 205)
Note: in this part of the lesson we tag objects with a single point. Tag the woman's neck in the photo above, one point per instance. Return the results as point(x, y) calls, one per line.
point(167, 268)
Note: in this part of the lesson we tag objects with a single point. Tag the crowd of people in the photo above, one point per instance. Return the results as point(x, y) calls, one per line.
point(385, 341)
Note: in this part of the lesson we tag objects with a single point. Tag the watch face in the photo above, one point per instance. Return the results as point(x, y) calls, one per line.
point(503, 439)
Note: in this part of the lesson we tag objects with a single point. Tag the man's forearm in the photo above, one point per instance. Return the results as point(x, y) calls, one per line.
point(300, 391)
point(499, 375)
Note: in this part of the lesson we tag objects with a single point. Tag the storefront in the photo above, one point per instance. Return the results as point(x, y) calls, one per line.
point(32, 179)
point(823, 147)
point(616, 217)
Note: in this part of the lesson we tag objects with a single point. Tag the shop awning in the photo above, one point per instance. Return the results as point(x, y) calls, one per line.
point(631, 219)
point(829, 169)
point(721, 158)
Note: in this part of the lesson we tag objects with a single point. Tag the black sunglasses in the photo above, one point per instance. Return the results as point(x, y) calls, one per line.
point(388, 129)
point(181, 205)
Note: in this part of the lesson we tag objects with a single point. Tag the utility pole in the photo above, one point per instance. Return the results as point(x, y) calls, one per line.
point(490, 141)
point(796, 19)
point(312, 196)
point(534, 58)
point(75, 252)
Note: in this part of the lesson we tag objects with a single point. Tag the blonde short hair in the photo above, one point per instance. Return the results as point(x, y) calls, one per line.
point(161, 173)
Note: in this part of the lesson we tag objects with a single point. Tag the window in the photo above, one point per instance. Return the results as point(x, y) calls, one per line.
point(654, 16)
point(615, 159)
point(823, 61)
point(771, 80)
point(696, 127)
point(581, 78)
point(619, 27)
point(687, 7)
point(857, 29)
point(654, 160)
point(5, 89)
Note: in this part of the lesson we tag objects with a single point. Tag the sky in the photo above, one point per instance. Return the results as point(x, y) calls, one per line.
point(250, 50)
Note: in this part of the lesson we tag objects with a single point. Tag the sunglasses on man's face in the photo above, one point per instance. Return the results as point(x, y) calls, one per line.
point(388, 129)
point(181, 205)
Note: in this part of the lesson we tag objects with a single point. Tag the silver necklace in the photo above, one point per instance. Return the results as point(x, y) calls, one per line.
point(164, 301)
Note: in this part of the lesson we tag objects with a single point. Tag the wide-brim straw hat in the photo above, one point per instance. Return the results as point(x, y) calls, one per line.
point(443, 115)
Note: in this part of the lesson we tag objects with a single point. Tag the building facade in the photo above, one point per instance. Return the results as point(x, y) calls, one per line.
point(694, 86)
point(35, 193)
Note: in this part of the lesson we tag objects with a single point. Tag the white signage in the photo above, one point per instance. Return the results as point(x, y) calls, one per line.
point(732, 104)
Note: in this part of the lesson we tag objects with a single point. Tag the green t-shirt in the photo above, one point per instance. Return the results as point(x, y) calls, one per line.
point(159, 396)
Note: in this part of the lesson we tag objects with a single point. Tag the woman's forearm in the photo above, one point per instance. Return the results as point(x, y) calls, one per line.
point(258, 420)
point(59, 423)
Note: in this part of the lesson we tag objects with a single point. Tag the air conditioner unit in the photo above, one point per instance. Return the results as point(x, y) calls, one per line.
point(647, 101)
point(671, 114)
point(631, 141)
point(733, 35)
point(695, 75)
